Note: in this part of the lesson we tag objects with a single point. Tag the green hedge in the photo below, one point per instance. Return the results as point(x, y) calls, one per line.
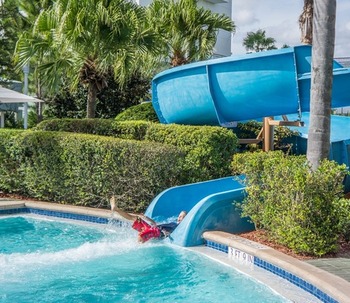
point(103, 127)
point(9, 174)
point(143, 111)
point(301, 209)
point(208, 149)
point(86, 169)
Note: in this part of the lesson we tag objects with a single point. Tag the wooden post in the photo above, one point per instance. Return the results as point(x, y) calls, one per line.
point(268, 134)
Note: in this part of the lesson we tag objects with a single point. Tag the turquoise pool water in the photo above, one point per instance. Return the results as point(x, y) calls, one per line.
point(28, 235)
point(50, 261)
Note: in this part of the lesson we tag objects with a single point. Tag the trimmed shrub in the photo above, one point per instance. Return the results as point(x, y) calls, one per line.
point(143, 111)
point(208, 149)
point(9, 174)
point(133, 130)
point(342, 207)
point(296, 206)
point(86, 169)
point(103, 127)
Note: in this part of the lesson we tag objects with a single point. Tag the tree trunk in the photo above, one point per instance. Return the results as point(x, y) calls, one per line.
point(91, 101)
point(177, 59)
point(306, 22)
point(321, 81)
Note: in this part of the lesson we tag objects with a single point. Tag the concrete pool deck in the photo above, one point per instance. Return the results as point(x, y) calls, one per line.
point(329, 275)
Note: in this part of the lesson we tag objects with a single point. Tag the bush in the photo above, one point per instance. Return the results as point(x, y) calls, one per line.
point(103, 127)
point(342, 207)
point(143, 111)
point(86, 169)
point(296, 206)
point(208, 149)
point(9, 174)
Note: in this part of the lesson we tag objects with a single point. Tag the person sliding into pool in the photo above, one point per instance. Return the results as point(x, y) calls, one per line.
point(147, 227)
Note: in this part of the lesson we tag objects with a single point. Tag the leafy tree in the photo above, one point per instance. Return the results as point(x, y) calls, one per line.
point(30, 10)
point(110, 101)
point(16, 17)
point(318, 145)
point(115, 99)
point(10, 23)
point(85, 41)
point(257, 41)
point(188, 32)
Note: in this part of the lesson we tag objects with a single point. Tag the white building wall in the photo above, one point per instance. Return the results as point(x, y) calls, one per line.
point(143, 2)
point(223, 44)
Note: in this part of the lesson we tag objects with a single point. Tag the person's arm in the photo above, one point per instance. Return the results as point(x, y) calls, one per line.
point(130, 217)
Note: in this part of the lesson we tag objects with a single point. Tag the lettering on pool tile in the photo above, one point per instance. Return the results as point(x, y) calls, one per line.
point(240, 256)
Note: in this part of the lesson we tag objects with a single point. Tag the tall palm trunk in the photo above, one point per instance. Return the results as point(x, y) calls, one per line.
point(91, 102)
point(321, 81)
point(306, 21)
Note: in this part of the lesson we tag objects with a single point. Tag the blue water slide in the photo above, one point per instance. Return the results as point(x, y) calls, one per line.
point(210, 205)
point(237, 88)
point(222, 92)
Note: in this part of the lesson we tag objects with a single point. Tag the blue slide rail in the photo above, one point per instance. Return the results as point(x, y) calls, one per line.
point(210, 205)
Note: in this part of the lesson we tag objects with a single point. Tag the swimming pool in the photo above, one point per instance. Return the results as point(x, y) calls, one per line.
point(51, 261)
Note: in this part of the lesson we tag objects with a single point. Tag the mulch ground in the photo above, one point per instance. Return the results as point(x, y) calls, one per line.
point(260, 236)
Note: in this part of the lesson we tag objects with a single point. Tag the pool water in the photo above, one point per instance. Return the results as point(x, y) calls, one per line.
point(110, 266)
point(27, 234)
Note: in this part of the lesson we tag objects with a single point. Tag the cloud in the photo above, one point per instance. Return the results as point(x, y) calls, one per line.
point(245, 17)
point(279, 18)
point(347, 26)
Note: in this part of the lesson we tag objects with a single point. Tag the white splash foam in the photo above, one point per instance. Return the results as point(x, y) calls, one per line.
point(117, 241)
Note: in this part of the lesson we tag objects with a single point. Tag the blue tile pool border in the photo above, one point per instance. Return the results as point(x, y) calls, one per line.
point(279, 272)
point(57, 214)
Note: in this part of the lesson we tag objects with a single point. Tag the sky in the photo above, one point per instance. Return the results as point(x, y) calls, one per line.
point(279, 18)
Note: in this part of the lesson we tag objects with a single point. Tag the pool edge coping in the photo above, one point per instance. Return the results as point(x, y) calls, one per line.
point(7, 204)
point(332, 285)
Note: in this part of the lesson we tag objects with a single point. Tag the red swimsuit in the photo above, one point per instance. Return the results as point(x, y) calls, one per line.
point(146, 231)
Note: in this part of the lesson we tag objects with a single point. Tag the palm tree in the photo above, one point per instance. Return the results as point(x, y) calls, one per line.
point(305, 22)
point(10, 23)
point(188, 32)
point(85, 40)
point(257, 41)
point(318, 145)
point(16, 16)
